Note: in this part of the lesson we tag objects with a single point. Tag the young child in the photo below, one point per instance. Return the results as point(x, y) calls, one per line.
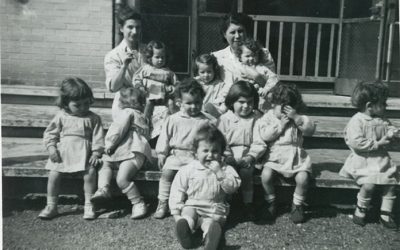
point(282, 130)
point(175, 144)
point(237, 125)
point(251, 68)
point(369, 163)
point(158, 82)
point(75, 142)
point(127, 149)
point(199, 190)
point(206, 71)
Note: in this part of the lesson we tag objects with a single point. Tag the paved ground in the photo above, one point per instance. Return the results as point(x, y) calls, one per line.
point(327, 228)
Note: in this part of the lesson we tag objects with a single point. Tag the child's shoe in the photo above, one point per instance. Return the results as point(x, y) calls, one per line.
point(183, 233)
point(269, 211)
point(162, 210)
point(297, 214)
point(139, 210)
point(213, 236)
point(249, 211)
point(358, 219)
point(101, 195)
point(390, 224)
point(88, 212)
point(49, 212)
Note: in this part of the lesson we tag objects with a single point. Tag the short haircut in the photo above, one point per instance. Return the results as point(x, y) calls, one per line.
point(253, 45)
point(148, 50)
point(126, 13)
point(207, 59)
point(241, 89)
point(238, 19)
point(127, 94)
point(73, 89)
point(189, 86)
point(211, 134)
point(287, 94)
point(374, 92)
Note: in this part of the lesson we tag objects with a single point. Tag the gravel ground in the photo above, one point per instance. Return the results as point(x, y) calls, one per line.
point(327, 228)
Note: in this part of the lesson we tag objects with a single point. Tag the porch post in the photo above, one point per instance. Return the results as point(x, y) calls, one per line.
point(342, 2)
point(193, 33)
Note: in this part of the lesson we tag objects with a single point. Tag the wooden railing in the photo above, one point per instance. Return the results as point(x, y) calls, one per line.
point(306, 74)
point(388, 77)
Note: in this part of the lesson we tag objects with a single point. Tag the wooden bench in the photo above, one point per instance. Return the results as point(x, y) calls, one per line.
point(26, 157)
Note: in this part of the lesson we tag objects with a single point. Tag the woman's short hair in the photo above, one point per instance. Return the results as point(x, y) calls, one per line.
point(189, 86)
point(127, 13)
point(241, 89)
point(210, 134)
point(238, 19)
point(207, 59)
point(373, 92)
point(287, 94)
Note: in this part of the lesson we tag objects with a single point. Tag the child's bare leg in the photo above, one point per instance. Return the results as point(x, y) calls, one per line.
point(89, 187)
point(53, 189)
point(148, 109)
point(104, 179)
point(267, 179)
point(363, 201)
point(302, 183)
point(164, 188)
point(185, 226)
point(388, 199)
point(212, 231)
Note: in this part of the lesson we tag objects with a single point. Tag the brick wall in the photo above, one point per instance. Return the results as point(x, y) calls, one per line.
point(42, 42)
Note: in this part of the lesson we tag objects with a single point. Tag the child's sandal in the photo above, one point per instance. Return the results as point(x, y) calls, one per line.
point(360, 220)
point(390, 224)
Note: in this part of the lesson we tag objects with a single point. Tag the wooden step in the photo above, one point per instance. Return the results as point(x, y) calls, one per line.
point(24, 93)
point(39, 116)
point(26, 157)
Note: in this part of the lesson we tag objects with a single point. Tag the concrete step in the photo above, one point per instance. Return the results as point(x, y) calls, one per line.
point(26, 157)
point(24, 94)
point(23, 116)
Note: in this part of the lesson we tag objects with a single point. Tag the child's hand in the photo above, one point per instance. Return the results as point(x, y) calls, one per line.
point(54, 155)
point(383, 141)
point(290, 112)
point(247, 161)
point(95, 160)
point(214, 166)
point(284, 121)
point(169, 88)
point(263, 92)
point(161, 161)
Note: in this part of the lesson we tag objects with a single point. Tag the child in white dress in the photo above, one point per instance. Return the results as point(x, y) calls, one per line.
point(250, 55)
point(281, 130)
point(199, 190)
point(75, 142)
point(206, 71)
point(368, 134)
point(158, 82)
point(127, 149)
point(175, 144)
point(237, 125)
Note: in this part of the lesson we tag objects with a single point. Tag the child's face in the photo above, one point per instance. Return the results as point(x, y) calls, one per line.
point(190, 104)
point(158, 58)
point(248, 57)
point(80, 107)
point(378, 109)
point(243, 106)
point(207, 152)
point(206, 72)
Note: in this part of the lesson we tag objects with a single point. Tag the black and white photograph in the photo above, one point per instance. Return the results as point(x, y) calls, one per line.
point(200, 124)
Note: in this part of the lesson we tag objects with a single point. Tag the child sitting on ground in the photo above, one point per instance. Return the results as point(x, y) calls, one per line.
point(368, 134)
point(175, 144)
point(75, 142)
point(237, 125)
point(282, 130)
point(127, 149)
point(199, 190)
point(252, 68)
point(159, 84)
point(206, 71)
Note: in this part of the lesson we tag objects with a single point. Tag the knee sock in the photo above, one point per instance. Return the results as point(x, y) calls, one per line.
point(87, 198)
point(52, 200)
point(163, 190)
point(270, 198)
point(133, 194)
point(298, 199)
point(387, 205)
point(362, 202)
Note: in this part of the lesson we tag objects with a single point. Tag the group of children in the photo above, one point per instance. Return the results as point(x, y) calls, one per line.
point(211, 138)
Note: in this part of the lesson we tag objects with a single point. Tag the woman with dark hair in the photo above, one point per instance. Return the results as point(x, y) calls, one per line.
point(234, 29)
point(121, 63)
